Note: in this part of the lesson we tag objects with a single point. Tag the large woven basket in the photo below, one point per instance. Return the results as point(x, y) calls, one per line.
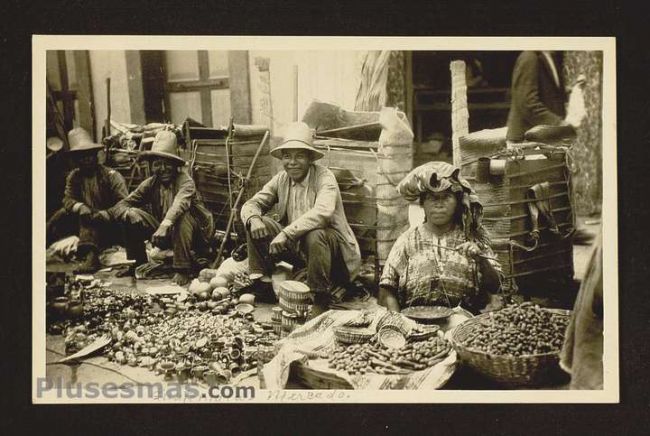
point(527, 370)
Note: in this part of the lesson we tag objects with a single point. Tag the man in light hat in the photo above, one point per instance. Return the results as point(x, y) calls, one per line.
point(312, 226)
point(91, 189)
point(179, 220)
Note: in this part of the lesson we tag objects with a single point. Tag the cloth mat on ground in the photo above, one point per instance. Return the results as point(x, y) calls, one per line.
point(316, 338)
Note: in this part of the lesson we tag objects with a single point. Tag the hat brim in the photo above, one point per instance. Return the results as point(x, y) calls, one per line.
point(157, 154)
point(89, 147)
point(296, 145)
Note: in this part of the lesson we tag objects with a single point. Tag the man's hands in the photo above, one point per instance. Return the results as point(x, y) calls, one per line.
point(100, 217)
point(160, 235)
point(84, 211)
point(258, 228)
point(279, 244)
point(133, 217)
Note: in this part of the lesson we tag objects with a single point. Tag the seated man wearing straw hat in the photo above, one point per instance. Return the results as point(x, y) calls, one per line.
point(179, 220)
point(313, 228)
point(90, 190)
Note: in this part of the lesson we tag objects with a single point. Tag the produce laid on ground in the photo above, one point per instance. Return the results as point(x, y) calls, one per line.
point(372, 356)
point(519, 330)
point(199, 336)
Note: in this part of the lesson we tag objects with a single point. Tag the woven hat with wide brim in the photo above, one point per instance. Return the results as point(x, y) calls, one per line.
point(80, 140)
point(298, 137)
point(164, 145)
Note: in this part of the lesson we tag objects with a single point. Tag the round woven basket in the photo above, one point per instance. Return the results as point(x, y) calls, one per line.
point(353, 335)
point(294, 296)
point(527, 370)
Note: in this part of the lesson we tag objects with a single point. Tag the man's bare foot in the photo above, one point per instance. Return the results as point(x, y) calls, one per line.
point(181, 278)
point(126, 272)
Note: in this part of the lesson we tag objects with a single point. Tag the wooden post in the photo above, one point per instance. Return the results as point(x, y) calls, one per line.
point(107, 124)
point(295, 93)
point(240, 92)
point(459, 112)
point(264, 86)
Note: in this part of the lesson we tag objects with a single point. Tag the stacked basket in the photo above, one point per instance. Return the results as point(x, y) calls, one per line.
point(295, 298)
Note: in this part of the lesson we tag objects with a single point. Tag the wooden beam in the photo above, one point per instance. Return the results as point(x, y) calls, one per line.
point(85, 92)
point(197, 85)
point(240, 90)
point(459, 111)
point(409, 87)
point(68, 104)
point(136, 91)
point(206, 95)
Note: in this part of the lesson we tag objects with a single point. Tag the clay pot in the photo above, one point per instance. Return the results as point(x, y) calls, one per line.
point(210, 377)
point(212, 304)
point(220, 344)
point(198, 371)
point(59, 306)
point(235, 370)
point(234, 354)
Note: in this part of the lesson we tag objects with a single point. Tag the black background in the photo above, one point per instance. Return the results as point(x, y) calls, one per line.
point(626, 21)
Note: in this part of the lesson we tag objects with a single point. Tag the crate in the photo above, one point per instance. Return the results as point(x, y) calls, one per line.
point(376, 212)
point(208, 159)
point(507, 218)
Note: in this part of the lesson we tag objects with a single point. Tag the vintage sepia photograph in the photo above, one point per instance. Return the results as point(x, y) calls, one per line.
point(302, 219)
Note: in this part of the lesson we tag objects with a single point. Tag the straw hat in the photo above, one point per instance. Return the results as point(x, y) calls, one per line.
point(54, 143)
point(80, 140)
point(298, 137)
point(164, 145)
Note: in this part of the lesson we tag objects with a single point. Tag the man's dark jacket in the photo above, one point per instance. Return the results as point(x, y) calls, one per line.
point(536, 99)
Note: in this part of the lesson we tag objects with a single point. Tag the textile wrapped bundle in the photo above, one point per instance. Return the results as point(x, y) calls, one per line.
point(482, 143)
point(438, 177)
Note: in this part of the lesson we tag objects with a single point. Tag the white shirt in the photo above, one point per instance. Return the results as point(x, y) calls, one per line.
point(298, 203)
point(549, 59)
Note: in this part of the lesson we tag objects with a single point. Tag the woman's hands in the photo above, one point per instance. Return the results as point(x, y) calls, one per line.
point(387, 298)
point(469, 249)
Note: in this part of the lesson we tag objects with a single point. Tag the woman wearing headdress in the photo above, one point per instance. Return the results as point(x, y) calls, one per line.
point(447, 259)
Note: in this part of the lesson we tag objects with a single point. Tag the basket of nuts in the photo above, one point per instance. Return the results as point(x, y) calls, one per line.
point(518, 345)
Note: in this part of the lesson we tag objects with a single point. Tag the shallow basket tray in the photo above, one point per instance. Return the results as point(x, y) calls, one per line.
point(427, 314)
point(353, 335)
point(527, 370)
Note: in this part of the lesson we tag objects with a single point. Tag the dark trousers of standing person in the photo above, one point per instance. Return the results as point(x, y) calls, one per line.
point(319, 250)
point(186, 234)
point(92, 234)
